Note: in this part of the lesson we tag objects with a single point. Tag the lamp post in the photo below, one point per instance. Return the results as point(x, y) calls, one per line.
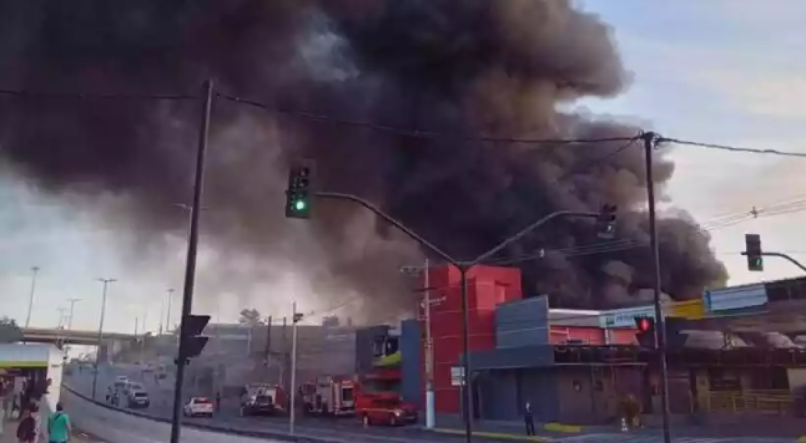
point(106, 282)
point(34, 274)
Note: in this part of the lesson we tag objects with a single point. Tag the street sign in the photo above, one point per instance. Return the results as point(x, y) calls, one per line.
point(457, 376)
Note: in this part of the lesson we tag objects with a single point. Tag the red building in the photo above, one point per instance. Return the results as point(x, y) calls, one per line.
point(487, 288)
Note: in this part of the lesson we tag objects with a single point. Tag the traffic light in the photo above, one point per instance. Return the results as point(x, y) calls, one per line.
point(646, 331)
point(606, 224)
point(192, 342)
point(298, 195)
point(755, 261)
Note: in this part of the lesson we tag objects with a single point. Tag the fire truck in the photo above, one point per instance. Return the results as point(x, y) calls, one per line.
point(332, 396)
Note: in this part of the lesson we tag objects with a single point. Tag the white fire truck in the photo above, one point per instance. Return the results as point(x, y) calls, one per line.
point(329, 396)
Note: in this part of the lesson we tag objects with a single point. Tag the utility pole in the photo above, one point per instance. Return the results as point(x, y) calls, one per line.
point(284, 355)
point(430, 412)
point(34, 273)
point(72, 312)
point(106, 282)
point(190, 266)
point(268, 342)
point(162, 316)
point(295, 318)
point(650, 140)
point(168, 315)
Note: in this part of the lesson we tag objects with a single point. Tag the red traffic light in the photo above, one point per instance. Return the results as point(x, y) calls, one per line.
point(644, 324)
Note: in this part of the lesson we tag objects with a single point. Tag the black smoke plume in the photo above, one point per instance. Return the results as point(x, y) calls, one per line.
point(499, 68)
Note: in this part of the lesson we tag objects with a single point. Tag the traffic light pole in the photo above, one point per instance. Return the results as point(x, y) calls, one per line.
point(464, 268)
point(650, 139)
point(190, 265)
point(784, 256)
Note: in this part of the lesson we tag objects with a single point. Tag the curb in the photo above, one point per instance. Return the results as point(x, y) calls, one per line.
point(559, 427)
point(210, 428)
point(494, 435)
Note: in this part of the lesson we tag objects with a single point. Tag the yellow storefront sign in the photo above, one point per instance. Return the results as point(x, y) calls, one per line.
point(689, 310)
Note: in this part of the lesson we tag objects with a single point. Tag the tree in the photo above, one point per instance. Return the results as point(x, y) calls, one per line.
point(9, 331)
point(250, 317)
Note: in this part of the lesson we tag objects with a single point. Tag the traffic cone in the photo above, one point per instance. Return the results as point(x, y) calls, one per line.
point(624, 424)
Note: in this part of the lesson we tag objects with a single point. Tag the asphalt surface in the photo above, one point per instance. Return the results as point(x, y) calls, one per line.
point(346, 429)
point(161, 396)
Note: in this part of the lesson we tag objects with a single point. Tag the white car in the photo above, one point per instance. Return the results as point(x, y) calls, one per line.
point(199, 407)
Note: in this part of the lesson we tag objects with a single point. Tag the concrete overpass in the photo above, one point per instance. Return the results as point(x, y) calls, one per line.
point(74, 337)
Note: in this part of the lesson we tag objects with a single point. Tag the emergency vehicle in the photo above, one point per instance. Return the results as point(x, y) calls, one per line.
point(262, 399)
point(329, 396)
point(378, 401)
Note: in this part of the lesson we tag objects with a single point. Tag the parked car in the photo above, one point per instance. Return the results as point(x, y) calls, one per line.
point(199, 407)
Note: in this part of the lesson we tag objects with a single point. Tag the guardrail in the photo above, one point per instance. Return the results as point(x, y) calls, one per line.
point(99, 420)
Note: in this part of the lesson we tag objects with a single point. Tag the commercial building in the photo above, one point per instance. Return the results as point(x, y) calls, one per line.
point(577, 366)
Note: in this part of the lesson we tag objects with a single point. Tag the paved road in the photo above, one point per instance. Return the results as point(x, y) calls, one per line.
point(658, 438)
point(161, 394)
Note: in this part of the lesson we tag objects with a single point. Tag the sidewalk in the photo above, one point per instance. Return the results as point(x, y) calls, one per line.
point(10, 434)
point(515, 431)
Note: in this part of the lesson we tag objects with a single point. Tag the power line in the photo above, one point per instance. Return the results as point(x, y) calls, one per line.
point(418, 133)
point(730, 148)
point(90, 95)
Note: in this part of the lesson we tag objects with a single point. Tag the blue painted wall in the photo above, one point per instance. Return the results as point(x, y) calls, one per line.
point(522, 323)
point(412, 364)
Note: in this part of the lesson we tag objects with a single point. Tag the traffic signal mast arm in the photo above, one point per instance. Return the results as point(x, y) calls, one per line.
point(781, 255)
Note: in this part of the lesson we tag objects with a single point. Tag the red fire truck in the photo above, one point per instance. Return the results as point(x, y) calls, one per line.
point(329, 396)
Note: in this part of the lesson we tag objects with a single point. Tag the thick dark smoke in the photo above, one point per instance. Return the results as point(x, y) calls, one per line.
point(471, 66)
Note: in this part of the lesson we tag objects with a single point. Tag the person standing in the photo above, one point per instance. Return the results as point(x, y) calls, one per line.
point(59, 426)
point(529, 419)
point(26, 429)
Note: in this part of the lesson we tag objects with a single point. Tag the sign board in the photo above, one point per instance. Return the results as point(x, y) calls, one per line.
point(625, 318)
point(689, 310)
point(457, 376)
point(727, 299)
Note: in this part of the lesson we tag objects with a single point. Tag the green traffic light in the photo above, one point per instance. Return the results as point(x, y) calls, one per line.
point(300, 205)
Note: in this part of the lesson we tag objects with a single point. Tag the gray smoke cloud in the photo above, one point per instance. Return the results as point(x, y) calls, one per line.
point(470, 66)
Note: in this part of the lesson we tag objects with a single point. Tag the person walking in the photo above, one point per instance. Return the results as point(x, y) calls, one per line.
point(26, 429)
point(59, 426)
point(529, 419)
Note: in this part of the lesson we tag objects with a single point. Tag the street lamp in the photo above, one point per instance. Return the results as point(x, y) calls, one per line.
point(34, 273)
point(106, 282)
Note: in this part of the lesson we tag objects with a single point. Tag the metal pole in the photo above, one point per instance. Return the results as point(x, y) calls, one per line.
point(660, 331)
point(162, 316)
point(284, 357)
point(268, 342)
point(467, 384)
point(168, 315)
point(292, 389)
point(784, 256)
point(429, 353)
point(106, 282)
point(35, 272)
point(190, 267)
point(72, 312)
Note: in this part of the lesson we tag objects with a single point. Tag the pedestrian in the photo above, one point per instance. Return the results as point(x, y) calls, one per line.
point(529, 419)
point(26, 429)
point(59, 427)
point(218, 401)
point(34, 412)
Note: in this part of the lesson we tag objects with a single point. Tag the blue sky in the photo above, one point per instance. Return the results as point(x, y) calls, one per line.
point(724, 71)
